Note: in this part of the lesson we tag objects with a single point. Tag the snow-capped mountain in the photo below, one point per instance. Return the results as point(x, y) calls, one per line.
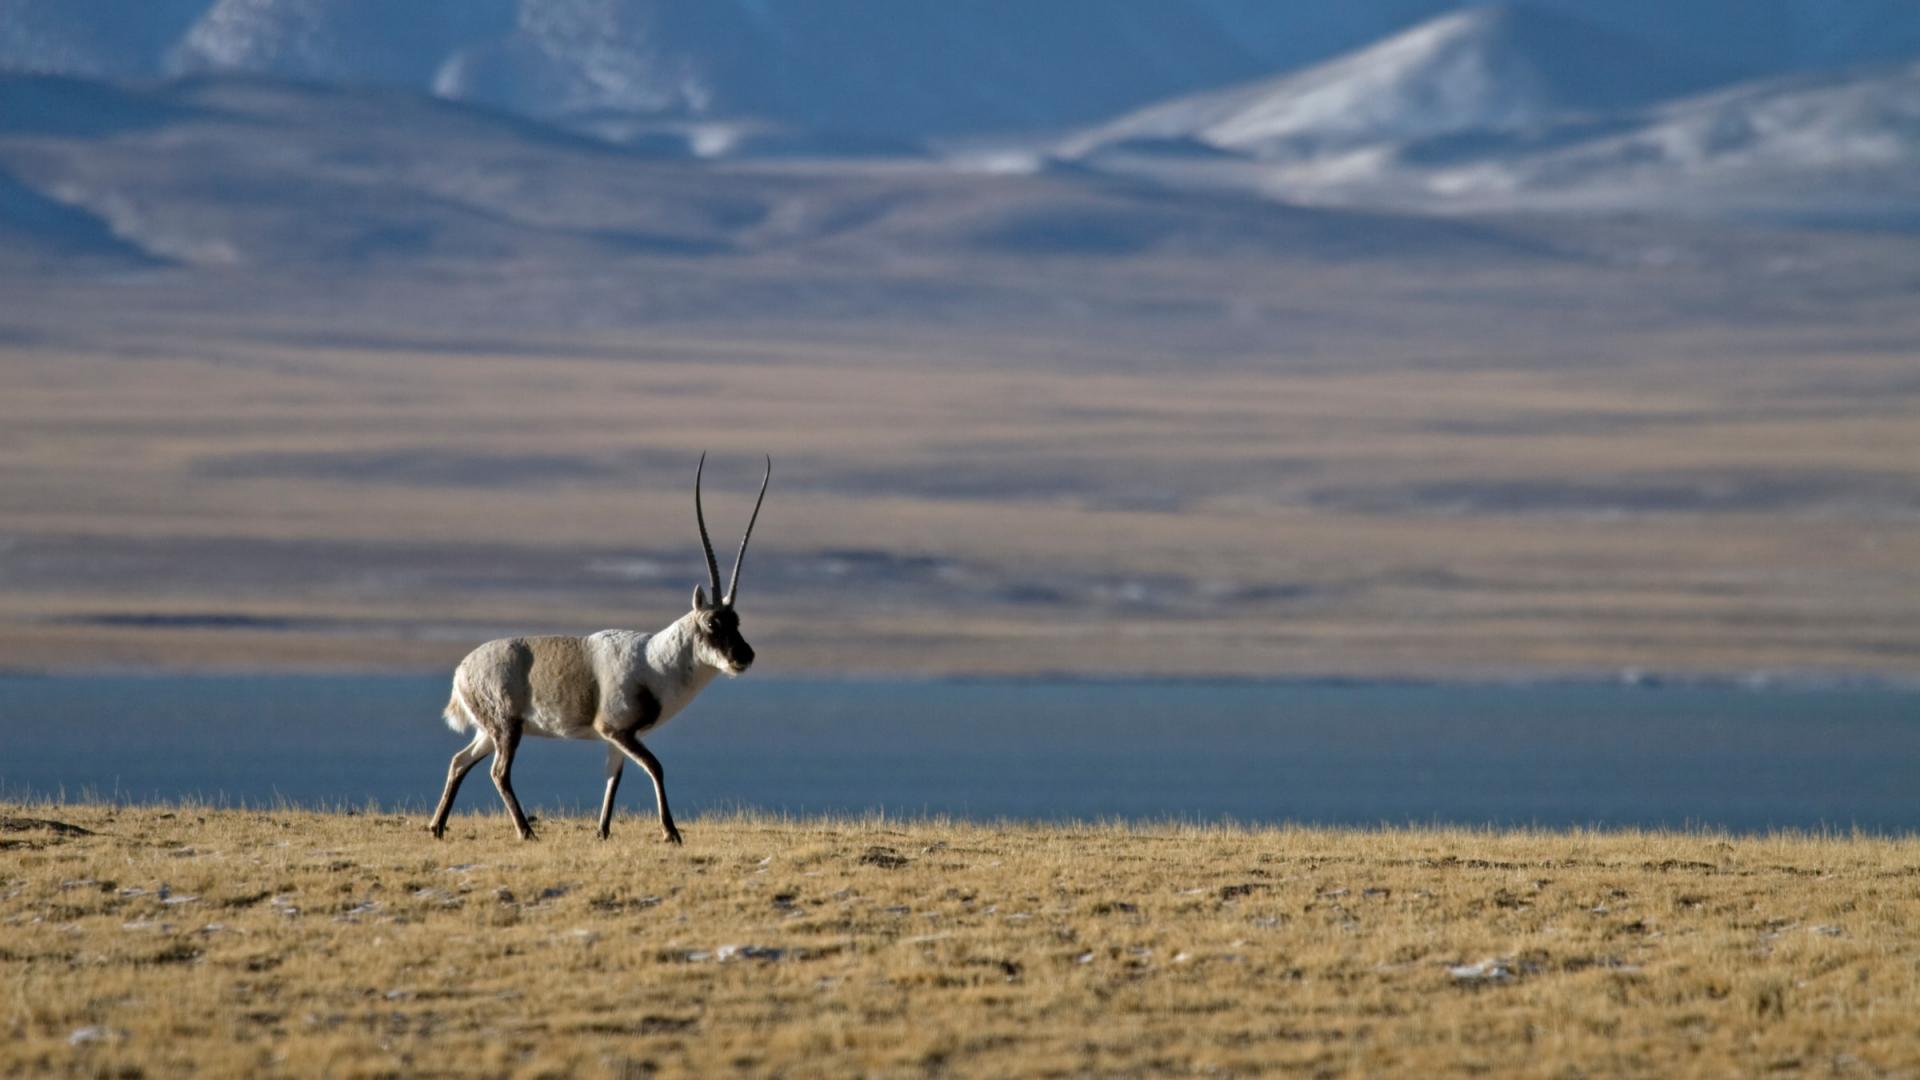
point(1745, 38)
point(1810, 147)
point(1498, 108)
point(1486, 68)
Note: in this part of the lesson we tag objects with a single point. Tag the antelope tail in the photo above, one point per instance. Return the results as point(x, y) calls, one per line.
point(458, 714)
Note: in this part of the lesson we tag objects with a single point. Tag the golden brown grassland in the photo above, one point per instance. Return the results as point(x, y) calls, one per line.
point(243, 943)
point(268, 506)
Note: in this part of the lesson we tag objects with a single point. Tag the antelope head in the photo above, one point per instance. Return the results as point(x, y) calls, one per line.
point(716, 626)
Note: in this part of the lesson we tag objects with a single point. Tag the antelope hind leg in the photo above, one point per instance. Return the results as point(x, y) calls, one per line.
point(463, 763)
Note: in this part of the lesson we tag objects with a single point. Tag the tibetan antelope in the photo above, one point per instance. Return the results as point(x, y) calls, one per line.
point(615, 686)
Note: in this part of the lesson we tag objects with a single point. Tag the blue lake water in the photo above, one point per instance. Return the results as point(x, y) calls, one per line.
point(1552, 755)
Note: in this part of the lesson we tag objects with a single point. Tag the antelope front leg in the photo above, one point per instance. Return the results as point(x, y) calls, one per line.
point(614, 761)
point(630, 744)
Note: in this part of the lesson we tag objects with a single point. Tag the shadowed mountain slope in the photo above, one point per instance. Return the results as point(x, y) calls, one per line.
point(225, 171)
point(42, 231)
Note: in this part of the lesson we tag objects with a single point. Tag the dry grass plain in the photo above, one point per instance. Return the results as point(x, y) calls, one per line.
point(190, 941)
point(195, 502)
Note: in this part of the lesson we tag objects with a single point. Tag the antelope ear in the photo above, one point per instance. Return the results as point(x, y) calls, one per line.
point(700, 599)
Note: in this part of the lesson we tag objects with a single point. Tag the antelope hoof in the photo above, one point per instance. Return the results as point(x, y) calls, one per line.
point(671, 835)
point(439, 831)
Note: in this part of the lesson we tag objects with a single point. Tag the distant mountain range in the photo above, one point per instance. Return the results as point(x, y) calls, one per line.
point(866, 66)
point(352, 132)
point(217, 172)
point(1503, 108)
point(892, 67)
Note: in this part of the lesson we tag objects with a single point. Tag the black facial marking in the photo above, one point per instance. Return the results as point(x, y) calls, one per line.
point(721, 629)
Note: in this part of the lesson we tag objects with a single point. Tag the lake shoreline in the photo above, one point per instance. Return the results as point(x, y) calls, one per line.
point(1634, 678)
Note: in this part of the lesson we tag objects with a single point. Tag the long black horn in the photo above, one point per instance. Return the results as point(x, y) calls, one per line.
point(733, 585)
point(706, 545)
